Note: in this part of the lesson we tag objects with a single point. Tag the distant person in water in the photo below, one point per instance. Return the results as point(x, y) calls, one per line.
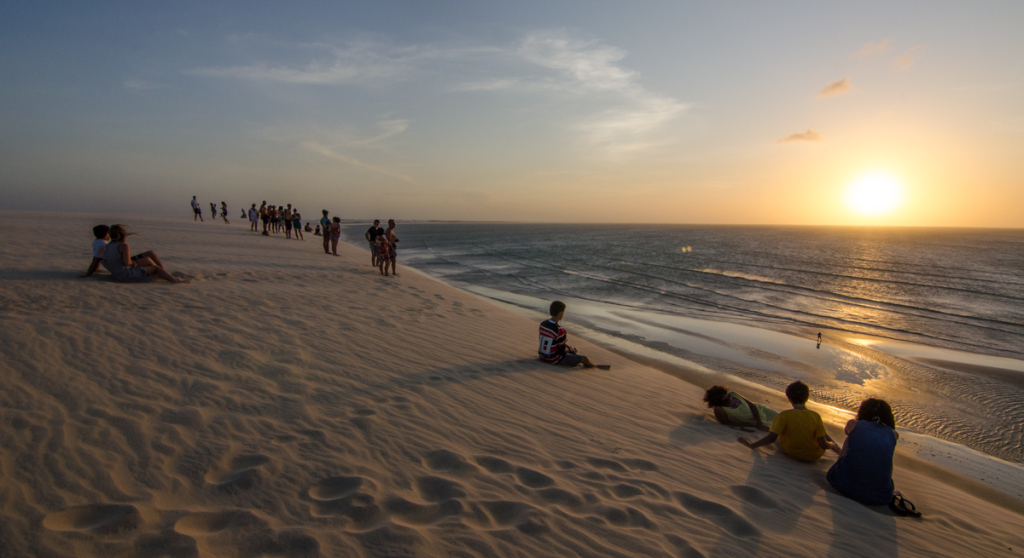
point(118, 261)
point(800, 431)
point(553, 348)
point(863, 471)
point(733, 409)
point(196, 210)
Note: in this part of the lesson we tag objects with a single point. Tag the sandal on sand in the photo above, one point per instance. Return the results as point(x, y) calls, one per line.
point(903, 507)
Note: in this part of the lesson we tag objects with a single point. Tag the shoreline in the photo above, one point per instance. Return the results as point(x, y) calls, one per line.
point(944, 458)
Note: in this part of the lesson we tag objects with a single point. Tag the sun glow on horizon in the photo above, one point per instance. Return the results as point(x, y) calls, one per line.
point(874, 194)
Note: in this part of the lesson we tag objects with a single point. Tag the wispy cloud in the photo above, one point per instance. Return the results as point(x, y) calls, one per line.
point(138, 85)
point(835, 88)
point(358, 62)
point(907, 59)
point(808, 136)
point(317, 147)
point(870, 49)
point(590, 70)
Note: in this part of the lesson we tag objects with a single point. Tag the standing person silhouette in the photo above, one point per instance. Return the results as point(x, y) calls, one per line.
point(198, 211)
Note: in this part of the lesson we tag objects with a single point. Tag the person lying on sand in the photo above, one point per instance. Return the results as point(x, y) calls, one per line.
point(800, 432)
point(118, 261)
point(553, 349)
point(733, 409)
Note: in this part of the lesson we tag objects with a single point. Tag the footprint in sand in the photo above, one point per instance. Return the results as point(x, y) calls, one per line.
point(242, 533)
point(494, 465)
point(720, 515)
point(347, 496)
point(244, 473)
point(103, 519)
point(448, 462)
point(754, 496)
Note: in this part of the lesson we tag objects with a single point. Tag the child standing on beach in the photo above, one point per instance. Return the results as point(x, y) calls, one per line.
point(335, 234)
point(800, 432)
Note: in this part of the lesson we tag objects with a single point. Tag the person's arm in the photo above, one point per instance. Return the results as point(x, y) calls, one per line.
point(92, 267)
point(126, 256)
point(366, 235)
point(756, 414)
point(769, 438)
point(826, 444)
point(722, 417)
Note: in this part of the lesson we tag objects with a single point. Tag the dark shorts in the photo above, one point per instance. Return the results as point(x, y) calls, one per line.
point(373, 248)
point(197, 211)
point(570, 359)
point(288, 225)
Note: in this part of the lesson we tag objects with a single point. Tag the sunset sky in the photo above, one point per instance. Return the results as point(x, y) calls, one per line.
point(640, 112)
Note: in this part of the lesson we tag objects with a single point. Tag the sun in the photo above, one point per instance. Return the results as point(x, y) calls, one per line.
point(874, 194)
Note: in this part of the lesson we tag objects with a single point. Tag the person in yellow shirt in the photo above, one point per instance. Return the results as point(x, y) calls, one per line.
point(800, 432)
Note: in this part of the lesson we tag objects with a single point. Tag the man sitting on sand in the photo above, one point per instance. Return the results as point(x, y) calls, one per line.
point(553, 349)
point(800, 432)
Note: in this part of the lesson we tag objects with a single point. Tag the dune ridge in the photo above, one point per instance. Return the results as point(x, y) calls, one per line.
point(291, 403)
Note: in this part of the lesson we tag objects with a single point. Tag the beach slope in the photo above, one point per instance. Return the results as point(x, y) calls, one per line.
point(292, 403)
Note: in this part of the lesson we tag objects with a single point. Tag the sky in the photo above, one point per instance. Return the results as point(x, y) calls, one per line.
point(538, 111)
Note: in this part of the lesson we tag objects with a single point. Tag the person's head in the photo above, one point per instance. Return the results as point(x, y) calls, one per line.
point(193, 197)
point(118, 233)
point(391, 223)
point(715, 396)
point(798, 393)
point(325, 212)
point(876, 410)
point(254, 206)
point(376, 222)
point(101, 231)
point(556, 309)
point(337, 219)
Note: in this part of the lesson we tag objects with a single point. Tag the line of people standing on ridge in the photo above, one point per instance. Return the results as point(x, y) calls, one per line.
point(276, 219)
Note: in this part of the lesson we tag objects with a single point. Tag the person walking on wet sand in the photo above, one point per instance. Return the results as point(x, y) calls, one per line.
point(553, 349)
point(198, 211)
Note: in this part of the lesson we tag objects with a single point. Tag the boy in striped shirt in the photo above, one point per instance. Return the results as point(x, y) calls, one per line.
point(553, 349)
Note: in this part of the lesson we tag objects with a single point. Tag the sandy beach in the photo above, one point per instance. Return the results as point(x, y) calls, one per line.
point(292, 403)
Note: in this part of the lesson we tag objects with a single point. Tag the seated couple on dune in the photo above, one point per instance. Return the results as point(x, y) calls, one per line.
point(863, 471)
point(111, 249)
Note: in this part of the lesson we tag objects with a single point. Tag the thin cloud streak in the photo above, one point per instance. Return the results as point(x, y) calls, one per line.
point(906, 60)
point(317, 147)
point(870, 49)
point(808, 136)
point(835, 88)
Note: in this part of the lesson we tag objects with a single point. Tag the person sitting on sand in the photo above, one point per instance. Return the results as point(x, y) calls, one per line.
point(553, 349)
point(800, 432)
point(733, 409)
point(102, 234)
point(118, 261)
point(863, 471)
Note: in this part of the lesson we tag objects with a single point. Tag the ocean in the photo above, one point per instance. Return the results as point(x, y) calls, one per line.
point(941, 311)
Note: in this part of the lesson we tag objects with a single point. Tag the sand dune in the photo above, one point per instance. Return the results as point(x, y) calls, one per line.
point(291, 403)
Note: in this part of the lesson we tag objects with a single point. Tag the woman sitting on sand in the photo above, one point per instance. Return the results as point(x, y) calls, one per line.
point(117, 258)
point(863, 471)
point(733, 409)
